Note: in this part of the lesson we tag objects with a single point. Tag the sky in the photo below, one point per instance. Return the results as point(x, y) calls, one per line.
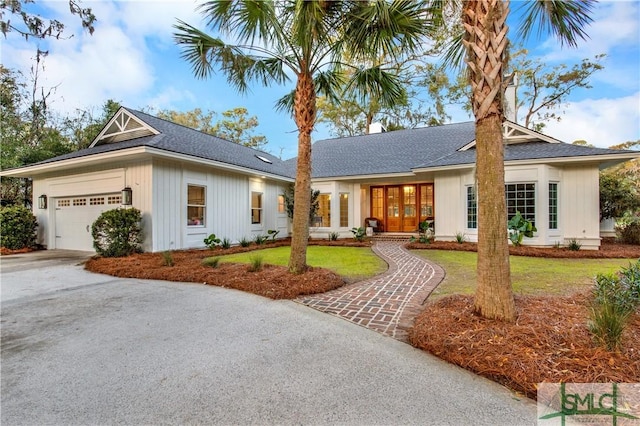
point(131, 58)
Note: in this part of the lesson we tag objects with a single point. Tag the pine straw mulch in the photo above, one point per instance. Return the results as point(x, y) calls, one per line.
point(272, 281)
point(609, 249)
point(549, 342)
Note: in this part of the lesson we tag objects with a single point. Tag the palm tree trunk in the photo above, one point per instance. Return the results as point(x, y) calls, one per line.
point(305, 116)
point(486, 43)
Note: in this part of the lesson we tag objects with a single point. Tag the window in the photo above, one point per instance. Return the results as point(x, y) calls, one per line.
point(64, 203)
point(95, 201)
point(553, 205)
point(282, 208)
point(323, 215)
point(114, 199)
point(472, 208)
point(79, 201)
point(195, 205)
point(426, 202)
point(256, 208)
point(521, 197)
point(377, 203)
point(344, 210)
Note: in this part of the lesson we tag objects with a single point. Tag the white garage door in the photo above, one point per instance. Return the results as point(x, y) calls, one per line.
point(75, 215)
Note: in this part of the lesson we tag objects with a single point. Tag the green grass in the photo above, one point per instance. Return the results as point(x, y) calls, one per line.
point(353, 263)
point(529, 275)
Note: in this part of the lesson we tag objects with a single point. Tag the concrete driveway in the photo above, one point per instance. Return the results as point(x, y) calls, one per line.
point(116, 351)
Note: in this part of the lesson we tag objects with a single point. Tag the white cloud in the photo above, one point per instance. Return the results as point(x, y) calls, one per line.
point(615, 24)
point(601, 122)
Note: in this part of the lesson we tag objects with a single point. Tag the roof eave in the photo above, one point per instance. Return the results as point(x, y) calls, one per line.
point(604, 159)
point(362, 177)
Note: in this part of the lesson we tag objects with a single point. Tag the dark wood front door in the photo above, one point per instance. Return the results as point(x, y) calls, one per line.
point(402, 207)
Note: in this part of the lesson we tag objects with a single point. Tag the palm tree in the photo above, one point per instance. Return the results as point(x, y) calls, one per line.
point(306, 39)
point(486, 44)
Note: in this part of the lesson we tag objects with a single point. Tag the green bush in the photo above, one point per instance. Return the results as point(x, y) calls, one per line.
point(519, 227)
point(333, 236)
point(256, 263)
point(244, 242)
point(167, 258)
point(17, 227)
point(226, 243)
point(117, 233)
point(211, 262)
point(212, 241)
point(628, 229)
point(359, 234)
point(607, 324)
point(616, 297)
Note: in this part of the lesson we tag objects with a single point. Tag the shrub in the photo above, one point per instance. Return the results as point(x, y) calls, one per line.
point(244, 242)
point(574, 244)
point(519, 227)
point(616, 297)
point(256, 264)
point(333, 236)
point(273, 233)
point(359, 233)
point(212, 241)
point(211, 262)
point(628, 229)
point(226, 243)
point(117, 233)
point(460, 237)
point(607, 324)
point(425, 230)
point(167, 258)
point(17, 227)
point(260, 239)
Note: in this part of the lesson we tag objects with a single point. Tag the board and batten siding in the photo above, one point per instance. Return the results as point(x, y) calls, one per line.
point(450, 197)
point(227, 206)
point(580, 205)
point(97, 180)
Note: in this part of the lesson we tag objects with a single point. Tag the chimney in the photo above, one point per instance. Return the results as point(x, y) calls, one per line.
point(510, 97)
point(376, 128)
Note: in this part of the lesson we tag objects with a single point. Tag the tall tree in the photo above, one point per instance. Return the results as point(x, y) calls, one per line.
point(485, 42)
point(29, 24)
point(234, 126)
point(543, 90)
point(308, 39)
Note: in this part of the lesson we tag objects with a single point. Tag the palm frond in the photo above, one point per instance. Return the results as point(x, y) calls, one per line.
point(565, 19)
point(376, 83)
point(248, 20)
point(384, 27)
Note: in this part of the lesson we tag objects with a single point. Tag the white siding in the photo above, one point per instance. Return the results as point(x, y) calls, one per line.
point(450, 206)
point(228, 201)
point(100, 179)
point(580, 205)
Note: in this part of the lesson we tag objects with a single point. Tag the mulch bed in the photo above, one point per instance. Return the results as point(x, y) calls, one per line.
point(609, 249)
point(550, 342)
point(272, 281)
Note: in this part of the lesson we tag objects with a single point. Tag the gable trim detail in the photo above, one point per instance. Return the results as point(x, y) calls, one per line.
point(123, 126)
point(514, 133)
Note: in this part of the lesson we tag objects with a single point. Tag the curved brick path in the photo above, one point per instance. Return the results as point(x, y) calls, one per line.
point(386, 303)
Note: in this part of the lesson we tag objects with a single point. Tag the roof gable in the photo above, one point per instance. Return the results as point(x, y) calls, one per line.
point(516, 134)
point(123, 126)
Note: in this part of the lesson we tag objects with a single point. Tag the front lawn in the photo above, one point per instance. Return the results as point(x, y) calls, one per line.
point(529, 275)
point(352, 263)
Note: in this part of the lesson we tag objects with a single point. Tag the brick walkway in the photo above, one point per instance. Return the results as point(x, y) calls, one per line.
point(386, 303)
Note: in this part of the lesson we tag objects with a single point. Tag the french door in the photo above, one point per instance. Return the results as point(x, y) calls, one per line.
point(402, 207)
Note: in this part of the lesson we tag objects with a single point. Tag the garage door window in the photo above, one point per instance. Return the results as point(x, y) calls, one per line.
point(195, 205)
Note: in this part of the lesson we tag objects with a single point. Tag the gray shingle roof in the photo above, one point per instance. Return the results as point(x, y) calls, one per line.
point(405, 150)
point(183, 140)
point(400, 151)
point(391, 152)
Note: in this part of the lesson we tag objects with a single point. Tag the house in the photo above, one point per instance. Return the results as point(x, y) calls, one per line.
point(188, 184)
point(404, 177)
